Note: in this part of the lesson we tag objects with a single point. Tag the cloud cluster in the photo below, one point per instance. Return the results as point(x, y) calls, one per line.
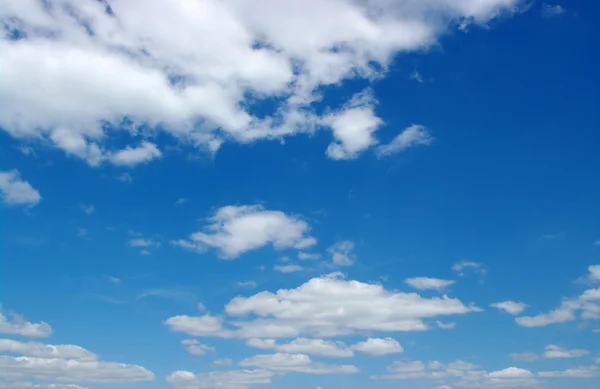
point(79, 74)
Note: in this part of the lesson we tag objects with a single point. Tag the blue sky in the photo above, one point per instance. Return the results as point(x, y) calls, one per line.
point(315, 194)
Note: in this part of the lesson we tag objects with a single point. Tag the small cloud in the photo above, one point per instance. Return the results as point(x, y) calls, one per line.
point(512, 307)
point(15, 191)
point(416, 76)
point(27, 151)
point(145, 252)
point(308, 256)
point(415, 135)
point(88, 209)
point(115, 280)
point(223, 362)
point(553, 236)
point(201, 307)
point(597, 243)
point(181, 201)
point(142, 242)
point(288, 268)
point(247, 284)
point(125, 177)
point(445, 326)
point(462, 267)
point(194, 347)
point(342, 253)
point(551, 11)
point(82, 233)
point(524, 357)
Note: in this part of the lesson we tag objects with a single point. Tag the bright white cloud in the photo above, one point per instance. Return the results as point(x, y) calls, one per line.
point(229, 379)
point(234, 230)
point(554, 351)
point(119, 65)
point(342, 253)
point(512, 307)
point(15, 191)
point(319, 347)
point(424, 283)
point(40, 350)
point(17, 325)
point(415, 135)
point(70, 370)
point(193, 346)
point(295, 363)
point(378, 346)
point(206, 325)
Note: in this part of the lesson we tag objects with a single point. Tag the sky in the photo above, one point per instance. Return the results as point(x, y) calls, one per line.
point(315, 194)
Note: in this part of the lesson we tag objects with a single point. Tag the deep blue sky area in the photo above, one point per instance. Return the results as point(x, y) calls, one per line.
point(453, 241)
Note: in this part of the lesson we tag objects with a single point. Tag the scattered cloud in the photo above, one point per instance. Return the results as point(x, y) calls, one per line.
point(291, 268)
point(234, 230)
point(294, 363)
point(445, 326)
point(226, 379)
point(194, 347)
point(223, 362)
point(142, 242)
point(425, 283)
point(115, 280)
point(512, 307)
point(318, 347)
point(416, 75)
point(550, 11)
point(342, 253)
point(308, 256)
point(378, 346)
point(41, 350)
point(579, 372)
point(415, 135)
point(17, 325)
point(554, 351)
point(524, 357)
point(462, 268)
point(16, 191)
point(131, 156)
point(82, 232)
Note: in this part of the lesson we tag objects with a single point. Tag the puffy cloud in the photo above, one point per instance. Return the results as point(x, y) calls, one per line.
point(424, 283)
point(70, 370)
point(318, 347)
point(295, 363)
point(193, 346)
point(233, 230)
point(594, 271)
point(19, 326)
point(231, 379)
point(524, 357)
point(206, 325)
point(579, 372)
point(554, 351)
point(41, 350)
point(415, 135)
point(511, 307)
point(342, 253)
point(291, 268)
point(15, 191)
point(118, 72)
point(378, 346)
point(511, 377)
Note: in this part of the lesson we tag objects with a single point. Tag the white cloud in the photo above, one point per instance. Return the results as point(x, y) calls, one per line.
point(550, 11)
point(88, 209)
point(319, 347)
point(424, 283)
point(291, 268)
point(19, 326)
point(462, 267)
point(579, 372)
point(511, 377)
point(223, 362)
point(445, 326)
point(193, 346)
point(142, 242)
point(15, 191)
point(524, 357)
point(554, 351)
point(201, 94)
point(353, 127)
point(566, 312)
point(131, 156)
point(512, 307)
point(206, 325)
point(40, 350)
point(308, 256)
point(415, 135)
point(594, 272)
point(31, 385)
point(231, 379)
point(235, 230)
point(378, 346)
point(295, 363)
point(342, 253)
point(70, 370)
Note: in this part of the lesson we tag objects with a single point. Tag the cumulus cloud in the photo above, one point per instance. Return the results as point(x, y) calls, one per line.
point(512, 307)
point(319, 347)
point(119, 73)
point(295, 363)
point(70, 370)
point(17, 325)
point(554, 351)
point(230, 379)
point(342, 253)
point(193, 346)
point(424, 283)
point(16, 191)
point(234, 230)
point(415, 135)
point(41, 350)
point(378, 346)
